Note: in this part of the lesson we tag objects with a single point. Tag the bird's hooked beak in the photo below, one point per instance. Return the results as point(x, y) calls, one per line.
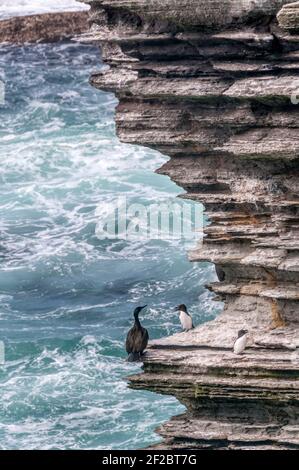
point(177, 308)
point(141, 308)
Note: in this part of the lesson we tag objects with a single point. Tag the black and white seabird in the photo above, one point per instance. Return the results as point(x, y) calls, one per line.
point(137, 338)
point(241, 342)
point(185, 317)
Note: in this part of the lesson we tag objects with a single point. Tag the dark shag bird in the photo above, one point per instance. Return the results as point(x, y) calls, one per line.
point(220, 272)
point(137, 338)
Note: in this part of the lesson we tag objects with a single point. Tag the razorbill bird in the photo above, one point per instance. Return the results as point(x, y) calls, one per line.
point(241, 342)
point(185, 318)
point(137, 338)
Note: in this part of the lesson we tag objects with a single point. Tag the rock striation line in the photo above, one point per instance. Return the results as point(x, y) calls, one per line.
point(215, 86)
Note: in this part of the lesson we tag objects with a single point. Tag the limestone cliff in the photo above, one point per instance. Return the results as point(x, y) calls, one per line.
point(215, 85)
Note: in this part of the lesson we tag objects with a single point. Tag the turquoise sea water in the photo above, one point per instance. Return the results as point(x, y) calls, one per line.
point(66, 297)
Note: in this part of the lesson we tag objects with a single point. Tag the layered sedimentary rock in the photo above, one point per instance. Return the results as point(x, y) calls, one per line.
point(46, 27)
point(215, 86)
point(288, 17)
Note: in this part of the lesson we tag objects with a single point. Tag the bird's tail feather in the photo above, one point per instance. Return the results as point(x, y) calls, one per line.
point(133, 357)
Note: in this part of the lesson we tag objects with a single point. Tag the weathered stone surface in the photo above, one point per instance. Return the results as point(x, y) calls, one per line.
point(187, 13)
point(288, 17)
point(46, 27)
point(210, 85)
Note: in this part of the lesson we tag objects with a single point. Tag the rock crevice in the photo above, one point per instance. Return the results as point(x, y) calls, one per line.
point(215, 86)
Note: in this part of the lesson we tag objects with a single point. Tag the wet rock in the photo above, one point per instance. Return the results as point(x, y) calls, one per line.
point(46, 27)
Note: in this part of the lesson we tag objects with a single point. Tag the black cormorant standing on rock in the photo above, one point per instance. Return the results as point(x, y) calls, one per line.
point(220, 272)
point(137, 338)
point(185, 318)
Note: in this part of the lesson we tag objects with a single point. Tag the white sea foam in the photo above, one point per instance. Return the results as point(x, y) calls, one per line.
point(66, 298)
point(78, 401)
point(10, 8)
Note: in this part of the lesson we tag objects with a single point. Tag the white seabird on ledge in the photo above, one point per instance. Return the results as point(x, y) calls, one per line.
point(185, 318)
point(241, 342)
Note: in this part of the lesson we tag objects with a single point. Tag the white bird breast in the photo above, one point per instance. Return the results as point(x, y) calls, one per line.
point(240, 344)
point(186, 320)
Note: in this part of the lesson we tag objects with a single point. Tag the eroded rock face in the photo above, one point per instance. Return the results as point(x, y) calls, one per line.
point(288, 17)
point(215, 86)
point(45, 27)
